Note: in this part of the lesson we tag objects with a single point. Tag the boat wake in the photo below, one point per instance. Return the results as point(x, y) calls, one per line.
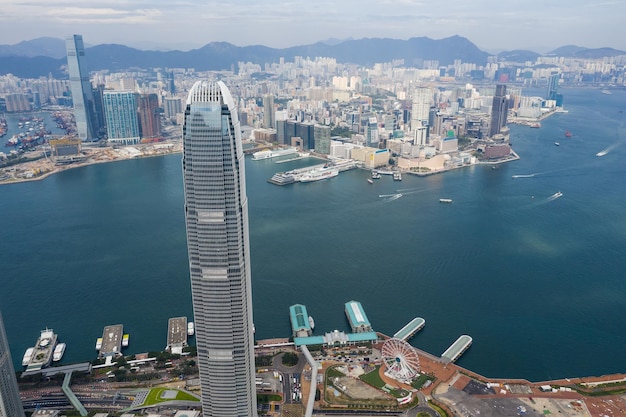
point(554, 196)
point(608, 149)
point(390, 197)
point(523, 176)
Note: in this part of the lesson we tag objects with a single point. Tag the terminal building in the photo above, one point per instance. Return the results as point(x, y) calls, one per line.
point(357, 318)
point(337, 338)
point(300, 323)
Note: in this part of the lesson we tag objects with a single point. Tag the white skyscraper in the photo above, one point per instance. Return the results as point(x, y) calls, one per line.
point(422, 98)
point(216, 214)
point(10, 403)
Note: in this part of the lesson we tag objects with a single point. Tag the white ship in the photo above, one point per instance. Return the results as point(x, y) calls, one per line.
point(125, 339)
point(311, 322)
point(59, 350)
point(98, 343)
point(445, 200)
point(319, 174)
point(190, 328)
point(27, 355)
point(397, 176)
point(267, 154)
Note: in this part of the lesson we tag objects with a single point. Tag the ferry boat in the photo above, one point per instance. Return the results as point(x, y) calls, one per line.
point(27, 355)
point(268, 153)
point(311, 323)
point(125, 339)
point(602, 152)
point(319, 174)
point(370, 181)
point(397, 176)
point(59, 350)
point(190, 328)
point(557, 143)
point(445, 200)
point(282, 178)
point(98, 343)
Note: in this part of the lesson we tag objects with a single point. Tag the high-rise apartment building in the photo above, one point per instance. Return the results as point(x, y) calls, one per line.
point(10, 403)
point(120, 112)
point(420, 111)
point(82, 96)
point(216, 215)
point(499, 110)
point(149, 116)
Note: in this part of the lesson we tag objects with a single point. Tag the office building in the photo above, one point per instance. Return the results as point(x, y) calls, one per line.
point(321, 135)
point(216, 214)
point(149, 116)
point(269, 119)
point(10, 403)
point(553, 89)
point(171, 107)
point(120, 112)
point(420, 112)
point(499, 110)
point(80, 86)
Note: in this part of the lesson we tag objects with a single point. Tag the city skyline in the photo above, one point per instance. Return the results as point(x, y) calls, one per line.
point(216, 217)
point(538, 26)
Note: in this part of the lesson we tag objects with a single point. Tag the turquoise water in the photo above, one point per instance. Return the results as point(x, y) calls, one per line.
point(537, 282)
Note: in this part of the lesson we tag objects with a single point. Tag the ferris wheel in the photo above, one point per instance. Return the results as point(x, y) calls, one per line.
point(401, 360)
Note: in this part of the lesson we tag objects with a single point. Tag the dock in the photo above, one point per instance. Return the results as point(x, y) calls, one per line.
point(176, 334)
point(456, 349)
point(409, 330)
point(111, 341)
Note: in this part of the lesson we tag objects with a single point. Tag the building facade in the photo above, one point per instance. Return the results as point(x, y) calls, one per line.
point(120, 112)
point(149, 116)
point(216, 214)
point(80, 86)
point(499, 110)
point(10, 403)
point(269, 119)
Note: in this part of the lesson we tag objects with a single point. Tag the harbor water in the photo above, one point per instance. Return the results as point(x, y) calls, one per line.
point(537, 281)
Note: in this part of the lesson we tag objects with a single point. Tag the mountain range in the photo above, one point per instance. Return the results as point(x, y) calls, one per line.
point(43, 56)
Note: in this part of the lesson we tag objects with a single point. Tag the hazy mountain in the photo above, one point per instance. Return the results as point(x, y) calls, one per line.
point(42, 56)
point(573, 51)
point(49, 47)
point(518, 56)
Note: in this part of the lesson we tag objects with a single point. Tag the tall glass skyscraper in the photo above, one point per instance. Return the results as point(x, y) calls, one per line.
point(216, 214)
point(499, 110)
point(82, 96)
point(10, 403)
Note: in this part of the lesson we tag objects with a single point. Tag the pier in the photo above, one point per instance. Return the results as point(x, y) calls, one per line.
point(111, 341)
point(409, 330)
point(176, 334)
point(300, 325)
point(456, 349)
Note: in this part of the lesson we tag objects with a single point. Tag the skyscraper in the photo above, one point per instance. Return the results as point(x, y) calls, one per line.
point(82, 96)
point(10, 403)
point(499, 110)
point(420, 111)
point(269, 118)
point(149, 116)
point(120, 113)
point(216, 215)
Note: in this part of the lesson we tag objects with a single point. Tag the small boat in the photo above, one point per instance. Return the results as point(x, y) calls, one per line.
point(375, 175)
point(445, 200)
point(311, 323)
point(606, 92)
point(98, 343)
point(602, 152)
point(125, 340)
point(557, 143)
point(59, 350)
point(27, 355)
point(397, 176)
point(568, 134)
point(370, 181)
point(190, 328)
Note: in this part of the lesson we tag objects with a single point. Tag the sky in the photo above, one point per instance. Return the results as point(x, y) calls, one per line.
point(493, 25)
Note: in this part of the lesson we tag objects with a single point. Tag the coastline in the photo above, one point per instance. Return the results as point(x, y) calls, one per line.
point(48, 168)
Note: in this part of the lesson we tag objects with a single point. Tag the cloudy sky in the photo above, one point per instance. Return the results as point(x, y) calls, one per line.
point(184, 24)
